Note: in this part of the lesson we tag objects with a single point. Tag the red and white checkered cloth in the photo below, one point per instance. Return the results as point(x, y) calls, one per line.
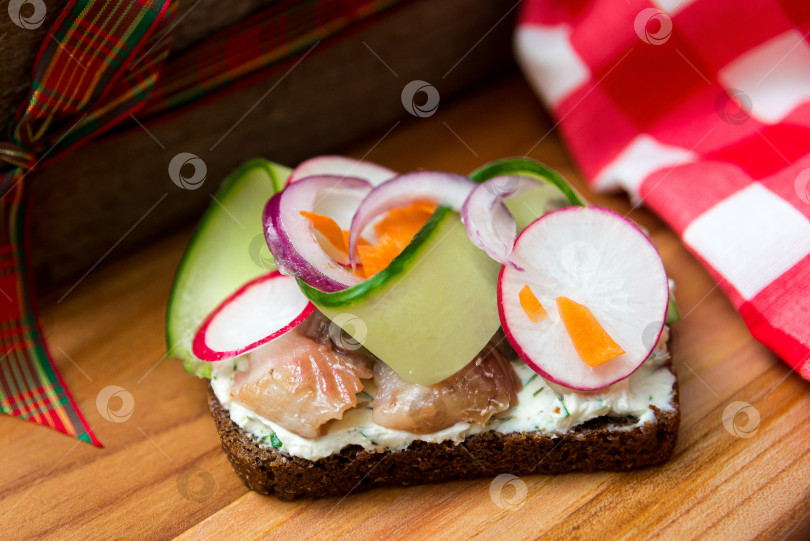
point(700, 110)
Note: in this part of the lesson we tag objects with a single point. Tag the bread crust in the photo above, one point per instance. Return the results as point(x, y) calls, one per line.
point(606, 443)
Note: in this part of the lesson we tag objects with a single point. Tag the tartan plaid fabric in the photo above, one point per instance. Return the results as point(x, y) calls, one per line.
point(700, 110)
point(98, 64)
point(102, 64)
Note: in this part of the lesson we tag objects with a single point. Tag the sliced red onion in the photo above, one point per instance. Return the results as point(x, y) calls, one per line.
point(290, 236)
point(489, 223)
point(446, 189)
point(342, 166)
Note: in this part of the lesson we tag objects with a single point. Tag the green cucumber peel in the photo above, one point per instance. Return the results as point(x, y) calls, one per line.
point(219, 259)
point(527, 207)
point(673, 314)
point(527, 168)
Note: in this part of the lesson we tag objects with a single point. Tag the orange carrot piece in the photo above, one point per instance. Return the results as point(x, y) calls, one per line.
point(370, 263)
point(394, 232)
point(593, 344)
point(531, 305)
point(426, 206)
point(376, 258)
point(329, 228)
point(360, 242)
point(403, 223)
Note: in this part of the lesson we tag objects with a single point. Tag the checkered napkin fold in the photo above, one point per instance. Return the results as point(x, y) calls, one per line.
point(700, 111)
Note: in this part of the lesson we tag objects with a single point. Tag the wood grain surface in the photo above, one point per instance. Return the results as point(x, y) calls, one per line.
point(162, 473)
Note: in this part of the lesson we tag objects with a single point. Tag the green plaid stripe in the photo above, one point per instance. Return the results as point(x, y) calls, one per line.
point(81, 87)
point(101, 64)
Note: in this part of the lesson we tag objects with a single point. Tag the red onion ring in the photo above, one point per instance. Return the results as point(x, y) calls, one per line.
point(341, 166)
point(290, 235)
point(489, 223)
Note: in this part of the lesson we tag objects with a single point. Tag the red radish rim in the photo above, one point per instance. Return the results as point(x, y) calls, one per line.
point(519, 349)
point(201, 349)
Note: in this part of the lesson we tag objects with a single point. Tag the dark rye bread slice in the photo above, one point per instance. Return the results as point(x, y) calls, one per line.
point(606, 443)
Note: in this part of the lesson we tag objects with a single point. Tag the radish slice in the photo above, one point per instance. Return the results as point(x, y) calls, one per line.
point(444, 189)
point(290, 235)
point(489, 223)
point(596, 258)
point(342, 166)
point(261, 310)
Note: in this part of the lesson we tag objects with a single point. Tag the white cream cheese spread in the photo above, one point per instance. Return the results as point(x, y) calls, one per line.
point(542, 406)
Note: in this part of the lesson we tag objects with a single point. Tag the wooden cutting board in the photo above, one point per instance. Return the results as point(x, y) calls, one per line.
point(162, 473)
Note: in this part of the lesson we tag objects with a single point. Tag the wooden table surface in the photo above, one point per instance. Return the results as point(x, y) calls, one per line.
point(163, 474)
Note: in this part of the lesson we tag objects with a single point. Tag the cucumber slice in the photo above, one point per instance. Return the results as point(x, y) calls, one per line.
point(226, 251)
point(527, 168)
point(673, 314)
point(412, 314)
point(527, 207)
point(552, 193)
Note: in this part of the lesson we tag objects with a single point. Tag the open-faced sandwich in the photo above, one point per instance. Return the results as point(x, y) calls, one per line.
point(417, 327)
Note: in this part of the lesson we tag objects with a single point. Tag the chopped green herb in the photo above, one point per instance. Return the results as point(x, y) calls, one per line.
point(563, 405)
point(275, 441)
point(531, 379)
point(366, 436)
point(537, 392)
point(650, 398)
point(264, 437)
point(235, 367)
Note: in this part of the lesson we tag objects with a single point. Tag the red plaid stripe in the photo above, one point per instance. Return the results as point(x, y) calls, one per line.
point(701, 111)
point(92, 41)
point(99, 63)
point(81, 87)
